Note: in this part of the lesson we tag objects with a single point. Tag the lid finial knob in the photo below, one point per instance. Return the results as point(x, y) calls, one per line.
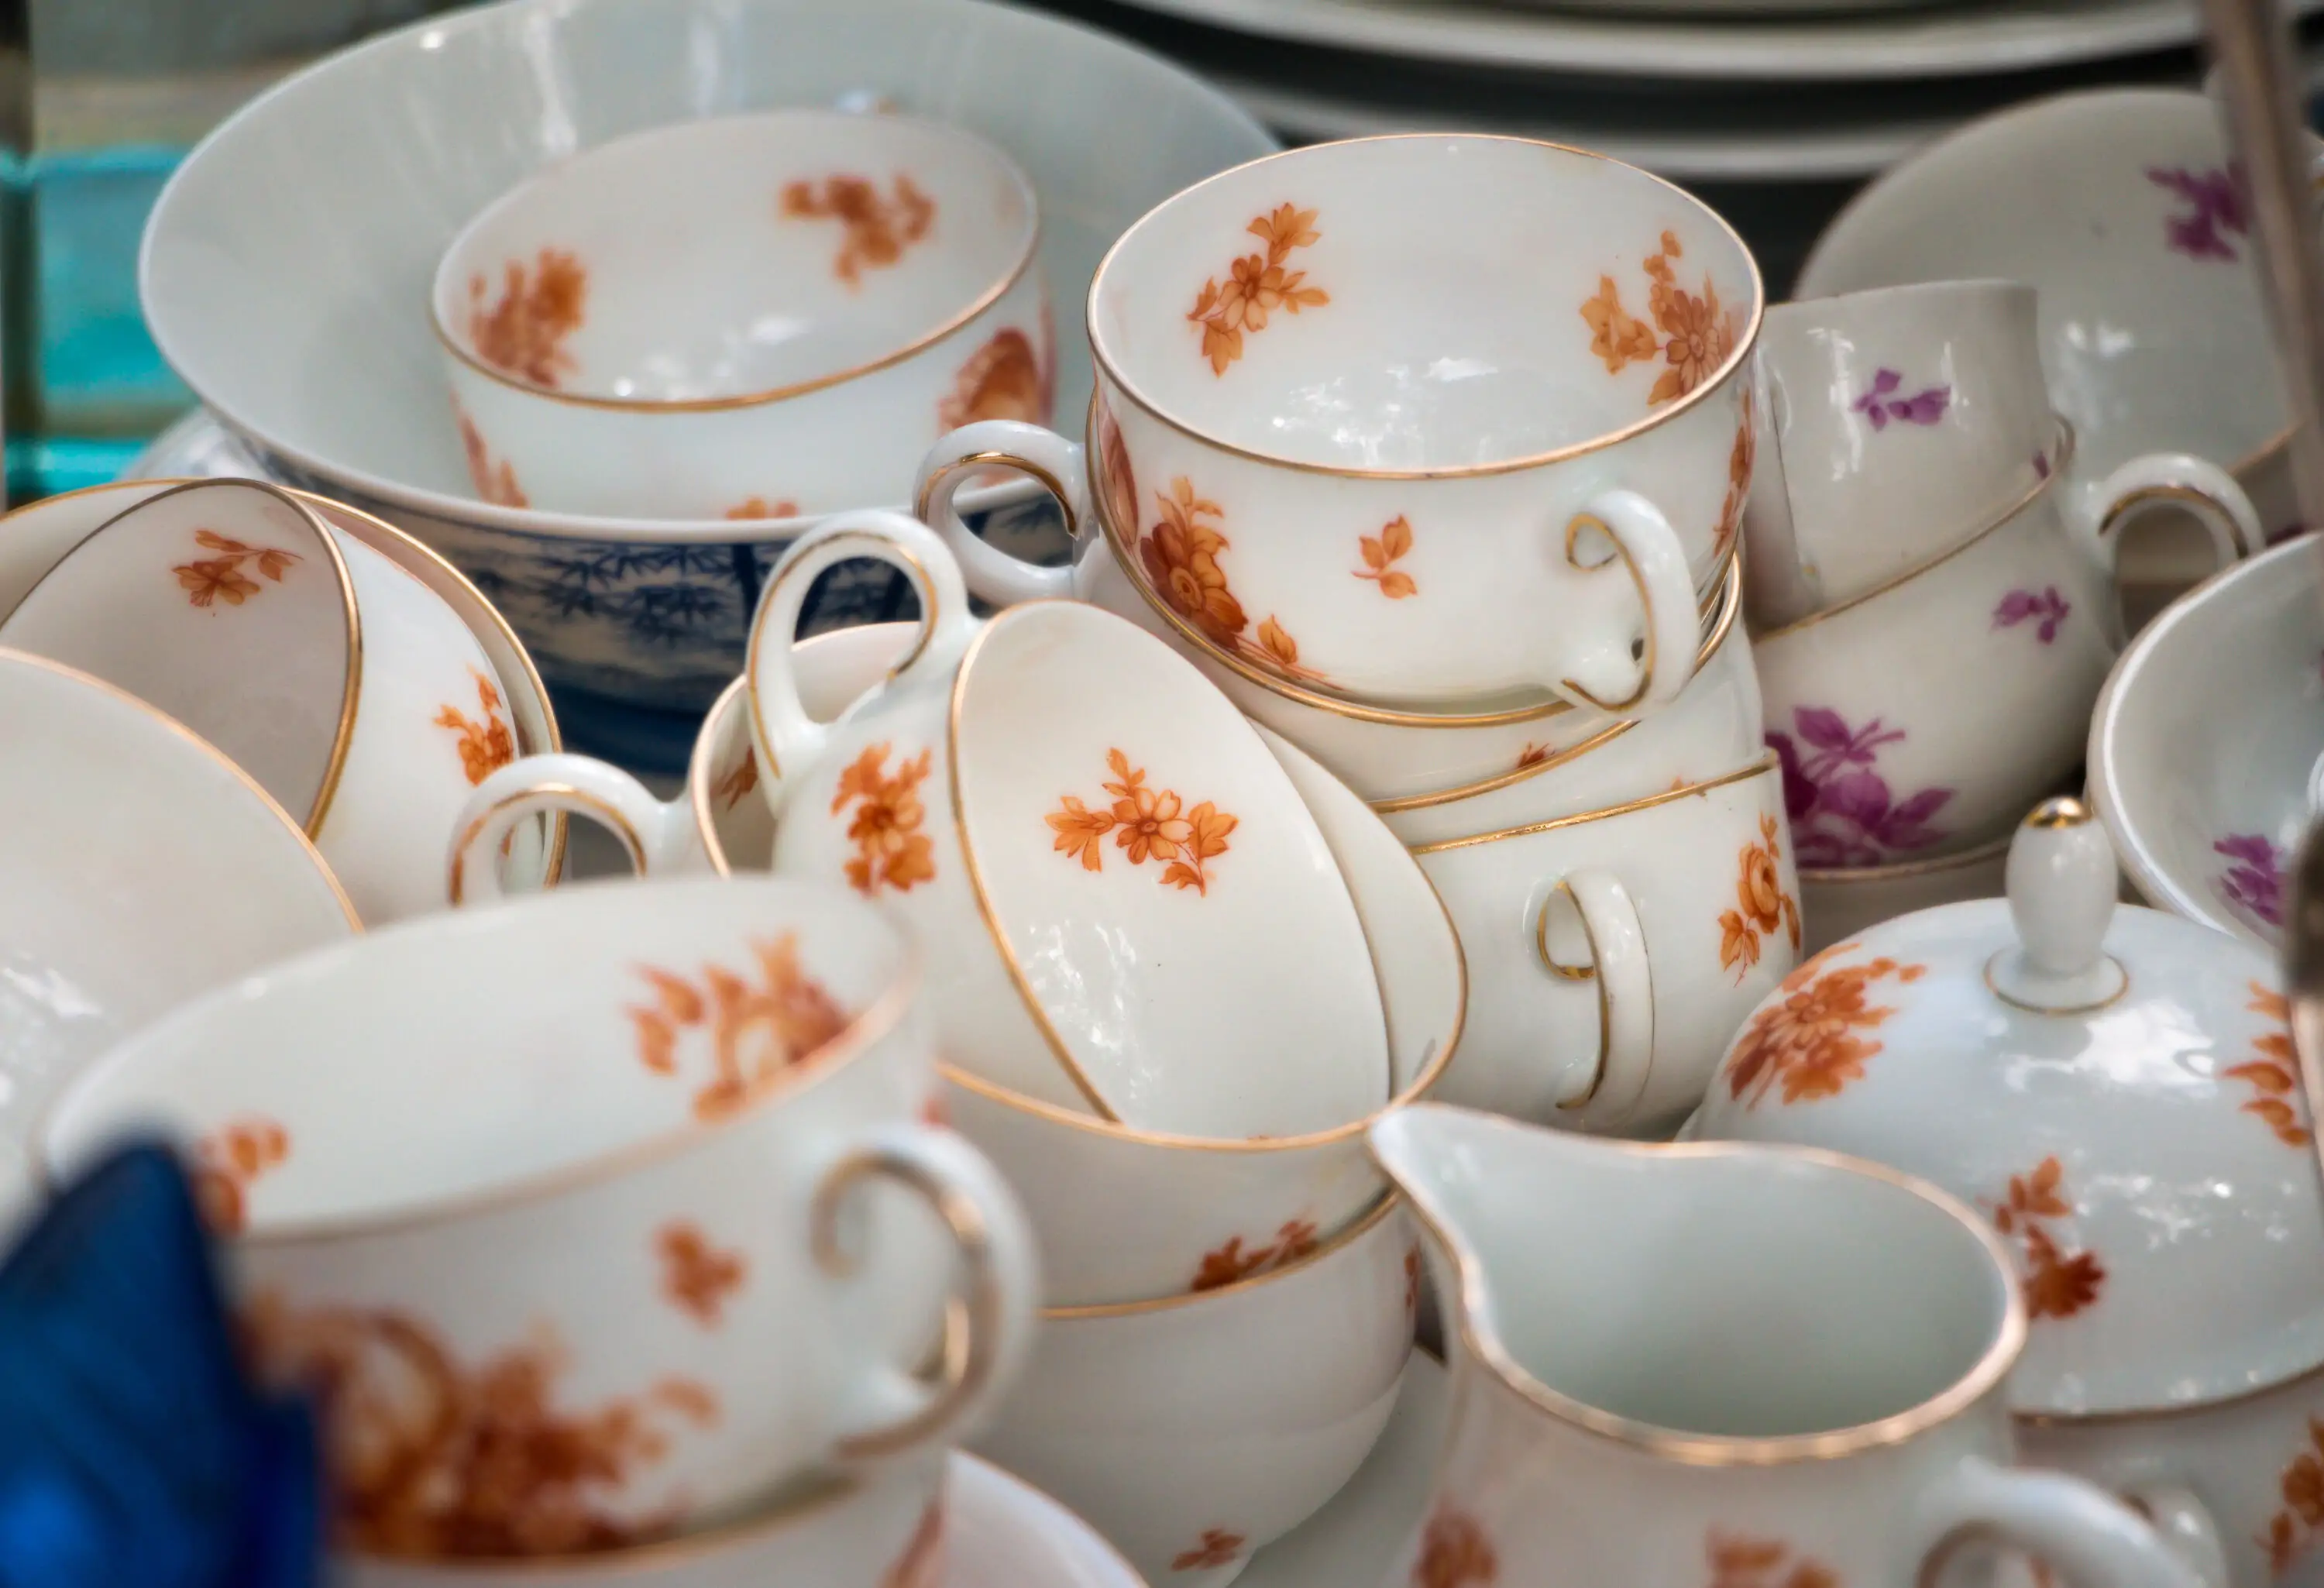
point(2062, 886)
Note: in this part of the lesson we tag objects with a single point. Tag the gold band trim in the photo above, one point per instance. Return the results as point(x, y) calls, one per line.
point(1388, 1201)
point(1021, 464)
point(1588, 972)
point(552, 795)
point(1574, 527)
point(2060, 456)
point(700, 775)
point(1842, 876)
point(1717, 381)
point(1760, 768)
point(2131, 503)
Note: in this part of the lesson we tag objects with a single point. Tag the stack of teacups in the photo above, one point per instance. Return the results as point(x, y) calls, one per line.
point(604, 1224)
point(1460, 523)
point(1177, 969)
point(1931, 584)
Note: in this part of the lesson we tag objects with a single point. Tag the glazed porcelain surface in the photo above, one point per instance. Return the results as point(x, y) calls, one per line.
point(1841, 1416)
point(2203, 743)
point(353, 693)
point(1923, 720)
point(35, 538)
point(981, 1529)
point(662, 1054)
point(1837, 905)
point(1322, 463)
point(1099, 853)
point(731, 318)
point(2112, 1088)
point(146, 868)
point(2117, 205)
point(1394, 758)
point(311, 222)
point(1123, 1215)
point(1611, 954)
point(1193, 1431)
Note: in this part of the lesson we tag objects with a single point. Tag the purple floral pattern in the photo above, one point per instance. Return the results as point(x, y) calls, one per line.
point(1881, 403)
point(2254, 880)
point(1842, 811)
point(2045, 608)
point(2215, 210)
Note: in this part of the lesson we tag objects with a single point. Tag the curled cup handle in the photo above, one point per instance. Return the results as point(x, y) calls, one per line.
point(1592, 905)
point(2089, 1537)
point(2186, 1524)
point(657, 838)
point(787, 738)
point(988, 1316)
point(2062, 886)
point(2173, 480)
point(1648, 558)
point(1042, 456)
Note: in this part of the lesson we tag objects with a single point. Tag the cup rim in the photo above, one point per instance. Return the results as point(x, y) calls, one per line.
point(875, 1020)
point(1736, 357)
point(2058, 460)
point(1766, 762)
point(992, 293)
point(351, 690)
point(1988, 1374)
point(1363, 1224)
point(1801, 309)
point(179, 730)
point(1730, 603)
point(1898, 871)
point(2046, 1417)
point(1706, 610)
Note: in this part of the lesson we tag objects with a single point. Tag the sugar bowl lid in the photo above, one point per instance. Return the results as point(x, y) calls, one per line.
point(2114, 1087)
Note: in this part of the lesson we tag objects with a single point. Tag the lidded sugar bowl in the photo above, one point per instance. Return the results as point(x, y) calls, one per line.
point(2115, 1088)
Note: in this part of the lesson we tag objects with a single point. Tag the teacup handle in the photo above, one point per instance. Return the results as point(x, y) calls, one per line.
point(1649, 551)
point(988, 1321)
point(2176, 480)
point(788, 740)
point(2185, 1523)
point(2091, 1537)
point(1617, 964)
point(1044, 456)
point(657, 838)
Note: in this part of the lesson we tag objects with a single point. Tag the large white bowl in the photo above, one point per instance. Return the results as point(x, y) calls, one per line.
point(286, 265)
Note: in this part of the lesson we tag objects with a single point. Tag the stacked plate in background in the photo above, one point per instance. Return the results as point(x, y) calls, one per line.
point(1773, 111)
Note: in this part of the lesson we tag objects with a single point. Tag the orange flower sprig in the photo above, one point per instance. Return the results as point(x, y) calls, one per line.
point(485, 746)
point(1695, 336)
point(1810, 1036)
point(1257, 285)
point(1180, 558)
point(1766, 909)
point(788, 1011)
point(2057, 1286)
point(1146, 824)
point(1759, 1563)
point(877, 229)
point(2275, 1073)
point(523, 332)
point(211, 580)
point(890, 849)
point(1381, 552)
point(1233, 1261)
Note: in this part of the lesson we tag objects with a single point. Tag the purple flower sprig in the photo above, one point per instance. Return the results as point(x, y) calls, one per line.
point(1842, 811)
point(1881, 403)
point(2217, 208)
point(2021, 606)
point(2255, 881)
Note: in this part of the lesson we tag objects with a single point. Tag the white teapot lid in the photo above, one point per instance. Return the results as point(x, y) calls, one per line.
point(2114, 1087)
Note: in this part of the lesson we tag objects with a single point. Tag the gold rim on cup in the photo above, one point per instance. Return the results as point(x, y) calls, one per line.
point(1766, 764)
point(1364, 1224)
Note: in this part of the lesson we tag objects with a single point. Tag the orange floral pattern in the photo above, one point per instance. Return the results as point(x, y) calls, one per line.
point(760, 507)
point(1764, 908)
point(890, 849)
point(1381, 552)
point(921, 1565)
point(523, 332)
point(1811, 1035)
point(484, 747)
point(1216, 1547)
point(1233, 1261)
point(1180, 557)
point(1739, 481)
point(1003, 379)
point(1531, 755)
point(1117, 480)
point(494, 482)
point(2273, 1071)
point(2292, 1529)
point(226, 1162)
point(1412, 1280)
point(1146, 824)
point(1764, 1563)
point(878, 230)
point(1692, 335)
point(1257, 285)
point(2057, 1285)
point(1454, 1551)
point(757, 1033)
point(740, 780)
point(431, 1459)
point(695, 1276)
point(207, 580)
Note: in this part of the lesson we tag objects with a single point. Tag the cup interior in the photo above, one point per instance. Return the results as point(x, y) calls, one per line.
point(543, 1036)
point(739, 256)
point(1422, 302)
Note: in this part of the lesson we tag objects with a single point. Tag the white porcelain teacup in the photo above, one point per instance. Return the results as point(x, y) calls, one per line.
point(1725, 1364)
point(616, 1163)
point(1341, 440)
point(746, 316)
point(1103, 861)
point(1613, 953)
point(353, 693)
